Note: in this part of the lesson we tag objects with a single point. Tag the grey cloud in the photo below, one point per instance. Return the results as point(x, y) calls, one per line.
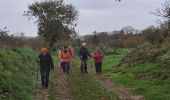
point(125, 13)
point(92, 4)
point(95, 15)
point(12, 17)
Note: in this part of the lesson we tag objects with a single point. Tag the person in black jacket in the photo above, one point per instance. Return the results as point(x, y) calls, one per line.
point(46, 64)
point(83, 54)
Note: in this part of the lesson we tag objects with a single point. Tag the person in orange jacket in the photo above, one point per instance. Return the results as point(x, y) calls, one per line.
point(65, 58)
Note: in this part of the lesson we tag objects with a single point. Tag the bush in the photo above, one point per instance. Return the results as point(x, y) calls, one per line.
point(153, 35)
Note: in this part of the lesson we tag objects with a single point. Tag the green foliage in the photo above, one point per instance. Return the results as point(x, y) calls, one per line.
point(110, 61)
point(149, 53)
point(55, 19)
point(153, 35)
point(112, 50)
point(10, 41)
point(146, 78)
point(16, 74)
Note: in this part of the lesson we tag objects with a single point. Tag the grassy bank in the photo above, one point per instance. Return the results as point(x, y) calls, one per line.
point(148, 79)
point(17, 69)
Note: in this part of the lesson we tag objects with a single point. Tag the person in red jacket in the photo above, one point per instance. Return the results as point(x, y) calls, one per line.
point(98, 57)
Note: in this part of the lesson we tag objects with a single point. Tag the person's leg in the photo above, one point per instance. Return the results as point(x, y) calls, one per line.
point(67, 67)
point(85, 66)
point(61, 65)
point(96, 68)
point(42, 73)
point(82, 66)
point(64, 67)
point(100, 67)
point(47, 78)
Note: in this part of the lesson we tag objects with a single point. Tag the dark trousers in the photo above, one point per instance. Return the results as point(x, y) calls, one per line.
point(83, 66)
point(44, 77)
point(98, 66)
point(66, 67)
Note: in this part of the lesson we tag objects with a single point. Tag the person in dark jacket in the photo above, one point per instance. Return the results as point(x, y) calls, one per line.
point(46, 64)
point(83, 54)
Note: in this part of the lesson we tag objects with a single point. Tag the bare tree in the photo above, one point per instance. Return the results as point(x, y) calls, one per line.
point(164, 12)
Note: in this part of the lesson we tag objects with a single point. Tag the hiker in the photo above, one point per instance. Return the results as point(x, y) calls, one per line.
point(65, 58)
point(61, 62)
point(83, 54)
point(98, 56)
point(46, 64)
point(71, 50)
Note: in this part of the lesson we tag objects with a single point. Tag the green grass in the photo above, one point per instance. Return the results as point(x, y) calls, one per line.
point(53, 78)
point(110, 61)
point(84, 87)
point(52, 87)
point(16, 74)
point(149, 79)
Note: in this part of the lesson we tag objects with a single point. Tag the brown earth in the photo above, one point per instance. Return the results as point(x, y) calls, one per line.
point(124, 94)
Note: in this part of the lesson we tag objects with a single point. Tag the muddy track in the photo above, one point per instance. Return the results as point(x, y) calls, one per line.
point(60, 85)
point(62, 90)
point(42, 94)
point(123, 93)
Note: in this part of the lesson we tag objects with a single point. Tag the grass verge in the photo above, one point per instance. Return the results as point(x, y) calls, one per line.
point(148, 79)
point(84, 87)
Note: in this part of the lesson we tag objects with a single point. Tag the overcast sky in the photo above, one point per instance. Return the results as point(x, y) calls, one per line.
point(94, 15)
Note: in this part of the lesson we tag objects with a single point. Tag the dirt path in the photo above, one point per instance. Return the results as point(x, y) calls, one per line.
point(42, 94)
point(112, 87)
point(62, 86)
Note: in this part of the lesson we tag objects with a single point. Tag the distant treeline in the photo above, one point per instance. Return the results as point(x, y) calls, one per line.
point(122, 39)
point(119, 39)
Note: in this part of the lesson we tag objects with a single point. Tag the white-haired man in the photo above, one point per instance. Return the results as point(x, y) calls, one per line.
point(83, 54)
